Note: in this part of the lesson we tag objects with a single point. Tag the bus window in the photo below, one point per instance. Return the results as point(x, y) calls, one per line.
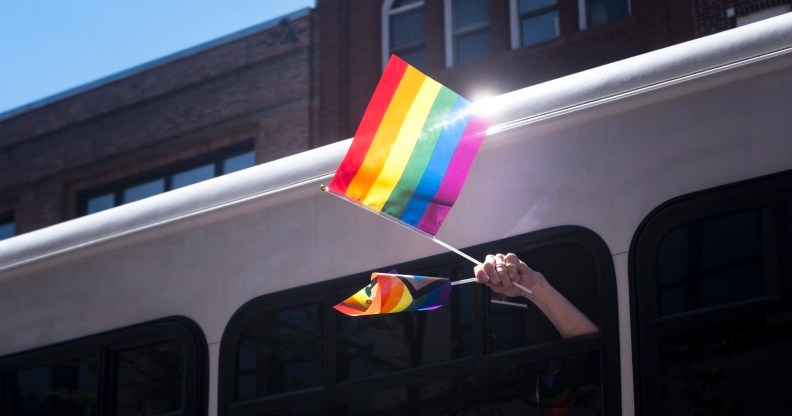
point(712, 309)
point(68, 386)
point(156, 368)
point(469, 357)
point(288, 342)
point(150, 379)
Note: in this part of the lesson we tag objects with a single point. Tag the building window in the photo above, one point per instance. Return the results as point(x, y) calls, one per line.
point(403, 31)
point(594, 13)
point(291, 353)
point(713, 308)
point(7, 226)
point(467, 31)
point(226, 161)
point(534, 21)
point(151, 369)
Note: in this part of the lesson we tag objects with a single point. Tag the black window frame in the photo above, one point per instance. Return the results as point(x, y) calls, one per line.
point(107, 346)
point(606, 342)
point(770, 195)
point(166, 174)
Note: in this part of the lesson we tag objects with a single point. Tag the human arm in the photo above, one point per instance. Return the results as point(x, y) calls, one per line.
point(499, 272)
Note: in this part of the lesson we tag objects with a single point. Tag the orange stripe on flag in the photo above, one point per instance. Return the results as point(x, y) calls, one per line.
point(386, 134)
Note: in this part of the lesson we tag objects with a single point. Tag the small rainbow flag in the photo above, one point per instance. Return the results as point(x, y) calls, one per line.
point(391, 293)
point(412, 150)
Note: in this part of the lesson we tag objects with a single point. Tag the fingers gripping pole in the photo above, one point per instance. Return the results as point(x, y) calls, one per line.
point(477, 263)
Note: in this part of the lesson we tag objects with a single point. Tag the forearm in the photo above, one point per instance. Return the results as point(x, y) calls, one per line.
point(568, 320)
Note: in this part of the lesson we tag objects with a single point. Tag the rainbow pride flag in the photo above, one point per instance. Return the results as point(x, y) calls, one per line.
point(391, 293)
point(412, 150)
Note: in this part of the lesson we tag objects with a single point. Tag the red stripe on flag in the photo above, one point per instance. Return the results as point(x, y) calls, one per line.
point(370, 123)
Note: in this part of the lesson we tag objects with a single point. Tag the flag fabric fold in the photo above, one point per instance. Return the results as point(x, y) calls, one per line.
point(391, 293)
point(412, 150)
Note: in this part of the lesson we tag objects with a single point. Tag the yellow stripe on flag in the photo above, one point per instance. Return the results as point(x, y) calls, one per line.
point(403, 146)
point(389, 128)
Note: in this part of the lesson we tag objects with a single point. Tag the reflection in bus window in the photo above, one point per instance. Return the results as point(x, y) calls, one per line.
point(711, 262)
point(156, 368)
point(68, 387)
point(286, 344)
point(150, 379)
point(468, 357)
point(741, 365)
point(714, 327)
point(366, 347)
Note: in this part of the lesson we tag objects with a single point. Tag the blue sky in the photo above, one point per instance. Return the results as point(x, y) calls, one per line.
point(50, 46)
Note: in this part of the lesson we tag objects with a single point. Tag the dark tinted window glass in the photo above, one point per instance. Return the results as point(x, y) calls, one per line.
point(711, 262)
point(100, 203)
point(536, 29)
point(525, 6)
point(472, 46)
point(66, 388)
point(714, 323)
point(565, 385)
point(399, 3)
point(143, 190)
point(239, 162)
point(305, 410)
point(743, 368)
point(601, 12)
point(150, 380)
point(414, 57)
point(192, 176)
point(7, 228)
point(369, 346)
point(470, 12)
point(281, 351)
point(406, 29)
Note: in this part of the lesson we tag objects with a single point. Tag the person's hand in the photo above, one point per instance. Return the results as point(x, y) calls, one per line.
point(499, 272)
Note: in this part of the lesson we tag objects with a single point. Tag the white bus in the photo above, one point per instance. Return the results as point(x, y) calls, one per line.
point(655, 193)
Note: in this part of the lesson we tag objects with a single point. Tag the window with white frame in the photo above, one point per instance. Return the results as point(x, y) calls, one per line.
point(403, 31)
point(467, 31)
point(534, 21)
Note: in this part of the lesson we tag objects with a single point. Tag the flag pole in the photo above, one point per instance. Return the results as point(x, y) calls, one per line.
point(327, 189)
point(449, 247)
point(477, 263)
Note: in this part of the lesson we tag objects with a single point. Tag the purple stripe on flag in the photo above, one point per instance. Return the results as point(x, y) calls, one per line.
point(455, 175)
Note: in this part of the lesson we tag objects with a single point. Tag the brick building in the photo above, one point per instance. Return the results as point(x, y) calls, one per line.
point(304, 80)
point(492, 46)
point(243, 99)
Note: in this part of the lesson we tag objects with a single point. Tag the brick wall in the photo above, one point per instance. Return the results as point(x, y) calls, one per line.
point(351, 52)
point(713, 16)
point(256, 86)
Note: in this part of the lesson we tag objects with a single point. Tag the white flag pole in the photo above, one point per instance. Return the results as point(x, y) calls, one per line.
point(327, 189)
